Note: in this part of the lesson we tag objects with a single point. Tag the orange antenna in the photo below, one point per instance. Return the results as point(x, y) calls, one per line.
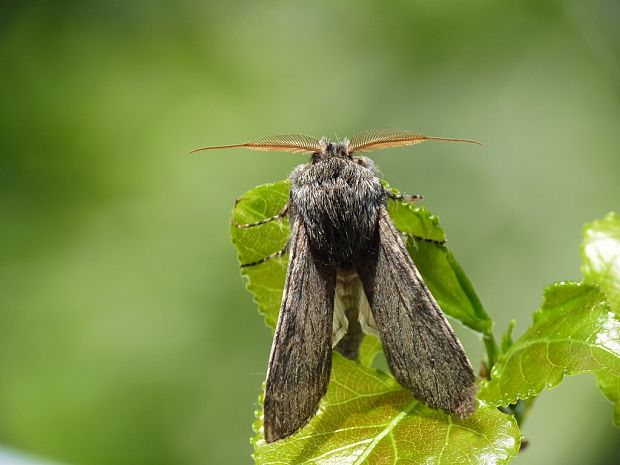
point(377, 139)
point(293, 143)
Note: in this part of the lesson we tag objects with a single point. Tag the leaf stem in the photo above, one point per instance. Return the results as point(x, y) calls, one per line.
point(520, 409)
point(491, 347)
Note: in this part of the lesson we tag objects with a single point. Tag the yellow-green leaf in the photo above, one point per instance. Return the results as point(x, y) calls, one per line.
point(266, 280)
point(573, 332)
point(600, 251)
point(367, 418)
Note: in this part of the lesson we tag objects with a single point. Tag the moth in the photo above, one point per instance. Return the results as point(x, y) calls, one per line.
point(349, 273)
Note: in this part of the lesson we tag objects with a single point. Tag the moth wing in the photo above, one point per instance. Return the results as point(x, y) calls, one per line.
point(300, 361)
point(421, 348)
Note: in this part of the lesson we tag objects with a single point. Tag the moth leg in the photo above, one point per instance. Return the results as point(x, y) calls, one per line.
point(277, 217)
point(366, 319)
point(277, 254)
point(414, 238)
point(404, 197)
point(352, 315)
point(349, 344)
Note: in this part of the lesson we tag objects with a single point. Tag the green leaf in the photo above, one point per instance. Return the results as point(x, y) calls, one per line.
point(266, 280)
point(600, 251)
point(367, 418)
point(442, 274)
point(416, 221)
point(573, 332)
point(449, 284)
point(507, 341)
point(369, 347)
point(609, 384)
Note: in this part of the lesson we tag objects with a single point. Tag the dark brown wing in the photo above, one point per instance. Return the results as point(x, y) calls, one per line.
point(377, 139)
point(294, 143)
point(300, 361)
point(420, 347)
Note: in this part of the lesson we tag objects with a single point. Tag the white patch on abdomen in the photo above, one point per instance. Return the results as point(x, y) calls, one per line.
point(350, 295)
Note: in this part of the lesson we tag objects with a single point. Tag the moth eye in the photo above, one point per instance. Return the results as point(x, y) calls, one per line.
point(363, 161)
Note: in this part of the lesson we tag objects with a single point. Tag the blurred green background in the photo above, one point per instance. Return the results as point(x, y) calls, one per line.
point(126, 335)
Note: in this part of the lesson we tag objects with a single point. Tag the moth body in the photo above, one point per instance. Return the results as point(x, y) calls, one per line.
point(338, 198)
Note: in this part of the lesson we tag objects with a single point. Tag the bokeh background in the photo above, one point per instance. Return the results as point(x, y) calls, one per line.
point(126, 335)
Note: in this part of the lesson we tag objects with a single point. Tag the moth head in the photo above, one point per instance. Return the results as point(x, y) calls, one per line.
point(321, 149)
point(331, 149)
